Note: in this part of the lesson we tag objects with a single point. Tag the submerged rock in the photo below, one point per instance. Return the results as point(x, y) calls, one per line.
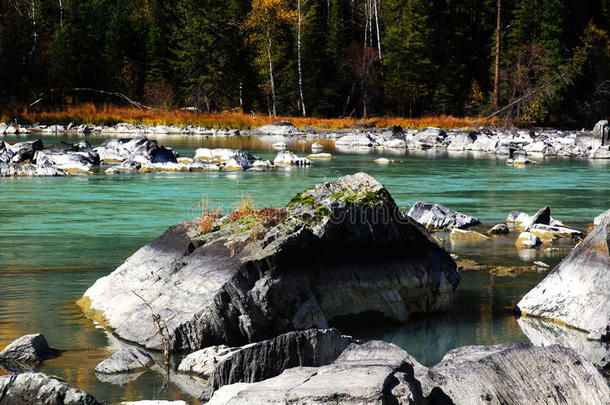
point(266, 359)
point(576, 291)
point(38, 388)
point(126, 360)
point(467, 236)
point(371, 373)
point(437, 217)
point(28, 349)
point(340, 249)
point(514, 373)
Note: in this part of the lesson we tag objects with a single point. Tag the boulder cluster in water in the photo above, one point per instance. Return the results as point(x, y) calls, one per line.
point(251, 296)
point(126, 155)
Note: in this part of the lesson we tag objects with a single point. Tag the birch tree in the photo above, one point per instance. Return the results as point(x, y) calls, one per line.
point(265, 21)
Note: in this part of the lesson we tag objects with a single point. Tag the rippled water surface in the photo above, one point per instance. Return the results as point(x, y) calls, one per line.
point(58, 235)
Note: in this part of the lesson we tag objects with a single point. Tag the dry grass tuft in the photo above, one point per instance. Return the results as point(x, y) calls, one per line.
point(110, 115)
point(207, 219)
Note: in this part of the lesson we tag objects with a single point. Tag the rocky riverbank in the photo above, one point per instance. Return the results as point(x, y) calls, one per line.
point(514, 144)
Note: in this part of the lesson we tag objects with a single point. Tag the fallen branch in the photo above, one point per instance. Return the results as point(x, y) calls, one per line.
point(107, 93)
point(161, 330)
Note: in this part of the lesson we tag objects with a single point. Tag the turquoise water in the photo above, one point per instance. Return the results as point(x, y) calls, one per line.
point(58, 235)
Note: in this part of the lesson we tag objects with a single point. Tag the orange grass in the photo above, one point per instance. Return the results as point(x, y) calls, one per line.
point(110, 115)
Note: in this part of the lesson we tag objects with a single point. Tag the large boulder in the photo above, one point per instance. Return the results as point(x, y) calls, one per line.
point(28, 349)
point(266, 359)
point(576, 291)
point(23, 151)
point(602, 130)
point(371, 373)
point(514, 373)
point(337, 250)
point(76, 158)
point(138, 150)
point(40, 389)
point(436, 217)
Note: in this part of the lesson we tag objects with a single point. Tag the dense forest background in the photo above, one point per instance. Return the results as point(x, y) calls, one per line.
point(316, 57)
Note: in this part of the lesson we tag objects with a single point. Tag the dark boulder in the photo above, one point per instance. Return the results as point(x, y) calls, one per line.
point(338, 250)
point(28, 349)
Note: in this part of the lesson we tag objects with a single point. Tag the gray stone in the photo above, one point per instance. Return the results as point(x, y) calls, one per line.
point(139, 149)
point(343, 249)
point(30, 170)
point(514, 373)
point(40, 389)
point(546, 333)
point(437, 217)
point(28, 349)
point(576, 291)
point(372, 373)
point(543, 216)
point(126, 360)
point(23, 151)
point(266, 359)
point(278, 128)
point(601, 217)
point(499, 229)
point(602, 131)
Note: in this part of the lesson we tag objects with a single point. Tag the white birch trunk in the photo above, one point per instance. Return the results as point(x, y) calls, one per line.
point(299, 58)
point(271, 80)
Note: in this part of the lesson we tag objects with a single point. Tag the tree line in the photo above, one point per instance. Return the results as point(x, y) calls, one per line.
point(317, 57)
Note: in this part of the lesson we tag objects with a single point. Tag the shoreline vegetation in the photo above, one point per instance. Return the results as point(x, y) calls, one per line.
point(90, 114)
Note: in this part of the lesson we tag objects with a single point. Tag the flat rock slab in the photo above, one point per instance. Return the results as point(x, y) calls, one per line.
point(40, 389)
point(28, 349)
point(576, 292)
point(127, 360)
point(336, 250)
point(515, 373)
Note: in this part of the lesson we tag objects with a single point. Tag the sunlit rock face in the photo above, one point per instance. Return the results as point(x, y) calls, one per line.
point(576, 292)
point(339, 249)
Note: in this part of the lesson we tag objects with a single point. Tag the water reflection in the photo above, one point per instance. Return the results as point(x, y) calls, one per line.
point(545, 333)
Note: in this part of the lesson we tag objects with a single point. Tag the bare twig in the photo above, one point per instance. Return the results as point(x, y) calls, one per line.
point(162, 330)
point(108, 93)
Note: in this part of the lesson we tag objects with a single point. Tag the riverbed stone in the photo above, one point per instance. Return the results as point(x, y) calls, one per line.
point(576, 291)
point(283, 128)
point(126, 360)
point(514, 373)
point(546, 333)
point(499, 229)
point(287, 158)
point(601, 217)
point(40, 389)
point(466, 236)
point(326, 255)
point(527, 240)
point(138, 149)
point(22, 151)
point(438, 217)
point(28, 349)
point(266, 359)
point(369, 373)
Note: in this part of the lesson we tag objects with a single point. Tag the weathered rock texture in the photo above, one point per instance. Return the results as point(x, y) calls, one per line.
point(576, 292)
point(266, 359)
point(40, 389)
point(339, 249)
point(382, 373)
point(546, 333)
point(28, 349)
point(437, 217)
point(514, 373)
point(372, 373)
point(126, 360)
